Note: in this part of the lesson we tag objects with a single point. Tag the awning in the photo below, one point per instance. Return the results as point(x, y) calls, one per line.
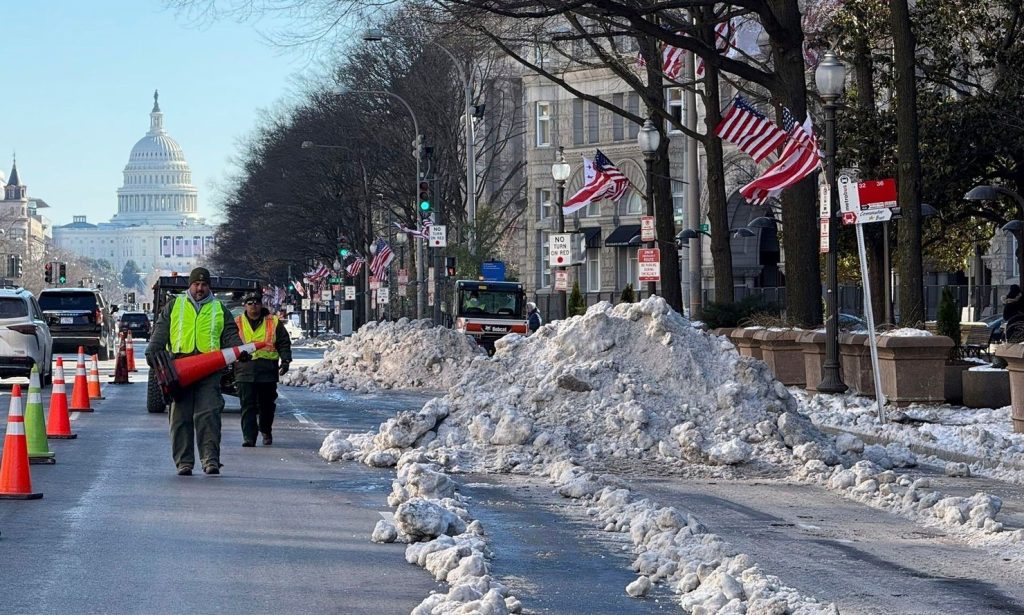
point(622, 235)
point(593, 236)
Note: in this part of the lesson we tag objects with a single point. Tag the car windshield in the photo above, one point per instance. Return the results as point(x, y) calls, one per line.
point(13, 307)
point(53, 302)
point(490, 303)
point(134, 318)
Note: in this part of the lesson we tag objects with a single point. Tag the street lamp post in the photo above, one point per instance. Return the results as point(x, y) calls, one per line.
point(830, 77)
point(560, 171)
point(1014, 227)
point(648, 138)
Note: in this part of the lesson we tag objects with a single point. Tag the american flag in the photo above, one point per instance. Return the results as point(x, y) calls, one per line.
point(673, 58)
point(423, 234)
point(799, 158)
point(298, 288)
point(355, 266)
point(749, 129)
point(427, 223)
point(608, 182)
point(319, 273)
point(724, 38)
point(382, 258)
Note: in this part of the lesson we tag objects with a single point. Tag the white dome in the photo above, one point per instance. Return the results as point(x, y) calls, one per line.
point(157, 179)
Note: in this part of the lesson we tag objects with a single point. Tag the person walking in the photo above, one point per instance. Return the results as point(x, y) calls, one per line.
point(194, 323)
point(1013, 312)
point(533, 319)
point(257, 380)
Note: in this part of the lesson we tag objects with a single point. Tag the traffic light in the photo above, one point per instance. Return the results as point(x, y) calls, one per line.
point(343, 252)
point(424, 193)
point(63, 277)
point(449, 266)
point(19, 269)
point(291, 287)
point(131, 298)
point(417, 147)
point(48, 273)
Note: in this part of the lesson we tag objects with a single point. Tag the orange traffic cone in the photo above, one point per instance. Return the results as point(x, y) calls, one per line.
point(15, 479)
point(80, 392)
point(121, 365)
point(195, 368)
point(58, 425)
point(94, 379)
point(131, 353)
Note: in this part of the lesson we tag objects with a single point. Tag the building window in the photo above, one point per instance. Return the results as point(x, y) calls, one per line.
point(544, 203)
point(618, 126)
point(674, 104)
point(544, 269)
point(593, 280)
point(593, 123)
point(633, 106)
point(543, 123)
point(633, 205)
point(629, 271)
point(577, 121)
point(679, 210)
point(594, 209)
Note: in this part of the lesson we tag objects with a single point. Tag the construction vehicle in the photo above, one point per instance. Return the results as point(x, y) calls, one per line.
point(166, 289)
point(488, 310)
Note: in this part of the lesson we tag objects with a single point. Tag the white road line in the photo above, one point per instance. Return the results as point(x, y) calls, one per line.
point(300, 417)
point(74, 416)
point(387, 515)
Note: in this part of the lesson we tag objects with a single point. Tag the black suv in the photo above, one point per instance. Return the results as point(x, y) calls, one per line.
point(79, 317)
point(136, 322)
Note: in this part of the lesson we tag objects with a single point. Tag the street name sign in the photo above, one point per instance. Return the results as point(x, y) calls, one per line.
point(559, 249)
point(646, 228)
point(649, 264)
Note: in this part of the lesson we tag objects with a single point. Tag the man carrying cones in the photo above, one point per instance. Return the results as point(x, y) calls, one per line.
point(256, 380)
point(194, 323)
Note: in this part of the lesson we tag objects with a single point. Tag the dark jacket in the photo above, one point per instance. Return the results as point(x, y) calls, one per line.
point(266, 370)
point(533, 321)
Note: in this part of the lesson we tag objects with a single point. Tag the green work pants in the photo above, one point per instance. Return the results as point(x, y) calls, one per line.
point(195, 414)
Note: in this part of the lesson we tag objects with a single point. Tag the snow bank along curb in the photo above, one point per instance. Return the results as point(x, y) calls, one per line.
point(404, 354)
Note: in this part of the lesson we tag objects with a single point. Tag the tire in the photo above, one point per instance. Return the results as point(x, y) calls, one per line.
point(154, 396)
point(1015, 332)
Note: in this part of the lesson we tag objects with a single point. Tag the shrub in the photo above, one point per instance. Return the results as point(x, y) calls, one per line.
point(717, 315)
point(949, 322)
point(628, 296)
point(577, 305)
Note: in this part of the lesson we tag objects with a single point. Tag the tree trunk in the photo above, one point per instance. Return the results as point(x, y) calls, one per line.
point(912, 309)
point(718, 210)
point(799, 203)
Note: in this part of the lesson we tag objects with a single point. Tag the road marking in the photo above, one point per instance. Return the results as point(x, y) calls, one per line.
point(300, 417)
point(74, 416)
point(387, 515)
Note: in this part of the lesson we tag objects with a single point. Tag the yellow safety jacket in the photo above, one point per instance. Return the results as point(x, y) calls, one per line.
point(266, 332)
point(191, 331)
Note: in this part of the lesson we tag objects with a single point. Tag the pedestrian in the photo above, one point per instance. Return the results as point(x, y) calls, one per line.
point(533, 319)
point(194, 323)
point(1013, 312)
point(257, 380)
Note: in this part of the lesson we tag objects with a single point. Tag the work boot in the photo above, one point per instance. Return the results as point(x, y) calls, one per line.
point(248, 443)
point(185, 471)
point(212, 469)
point(267, 439)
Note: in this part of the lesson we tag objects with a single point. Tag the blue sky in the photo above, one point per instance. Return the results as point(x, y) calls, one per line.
point(78, 80)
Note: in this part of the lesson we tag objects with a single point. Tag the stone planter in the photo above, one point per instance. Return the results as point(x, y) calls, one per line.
point(783, 354)
point(745, 342)
point(913, 369)
point(1013, 354)
point(987, 388)
point(726, 331)
point(954, 386)
point(813, 344)
point(855, 357)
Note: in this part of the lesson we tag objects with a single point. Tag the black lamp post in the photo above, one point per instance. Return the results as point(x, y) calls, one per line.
point(649, 139)
point(830, 77)
point(560, 172)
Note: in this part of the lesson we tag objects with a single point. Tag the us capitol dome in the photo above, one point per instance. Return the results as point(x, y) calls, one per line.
point(157, 180)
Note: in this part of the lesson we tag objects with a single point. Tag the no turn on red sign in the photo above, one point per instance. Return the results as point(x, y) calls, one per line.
point(438, 236)
point(560, 249)
point(649, 264)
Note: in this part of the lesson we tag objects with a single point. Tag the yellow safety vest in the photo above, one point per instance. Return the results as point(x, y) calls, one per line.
point(263, 333)
point(191, 331)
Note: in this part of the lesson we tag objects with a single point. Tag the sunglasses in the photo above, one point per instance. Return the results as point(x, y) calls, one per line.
point(252, 302)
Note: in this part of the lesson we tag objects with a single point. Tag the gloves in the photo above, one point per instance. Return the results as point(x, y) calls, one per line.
point(244, 356)
point(284, 368)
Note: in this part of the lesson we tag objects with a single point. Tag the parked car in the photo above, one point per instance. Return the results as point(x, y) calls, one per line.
point(80, 317)
point(849, 322)
point(136, 322)
point(25, 338)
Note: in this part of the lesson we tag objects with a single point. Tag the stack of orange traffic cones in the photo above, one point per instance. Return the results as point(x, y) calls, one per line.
point(58, 425)
point(94, 379)
point(35, 429)
point(121, 365)
point(15, 478)
point(80, 391)
point(131, 353)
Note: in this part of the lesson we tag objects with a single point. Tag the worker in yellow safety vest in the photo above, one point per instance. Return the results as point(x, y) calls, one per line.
point(256, 380)
point(194, 323)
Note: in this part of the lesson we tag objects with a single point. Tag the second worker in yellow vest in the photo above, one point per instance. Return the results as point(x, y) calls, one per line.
point(257, 380)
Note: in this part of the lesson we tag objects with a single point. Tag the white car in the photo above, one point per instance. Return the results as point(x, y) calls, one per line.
point(25, 338)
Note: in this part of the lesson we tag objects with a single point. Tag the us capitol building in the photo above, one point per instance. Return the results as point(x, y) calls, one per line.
point(157, 224)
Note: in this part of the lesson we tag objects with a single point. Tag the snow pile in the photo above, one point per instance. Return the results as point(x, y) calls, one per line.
point(619, 385)
point(674, 548)
point(444, 540)
point(386, 355)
